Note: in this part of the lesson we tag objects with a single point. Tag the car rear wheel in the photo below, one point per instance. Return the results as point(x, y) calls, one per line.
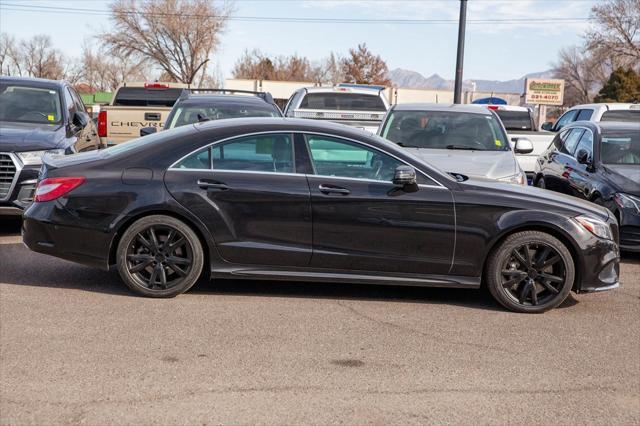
point(159, 256)
point(530, 272)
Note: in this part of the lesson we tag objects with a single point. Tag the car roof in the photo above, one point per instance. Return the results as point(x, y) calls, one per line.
point(197, 98)
point(608, 106)
point(469, 108)
point(36, 82)
point(605, 125)
point(353, 90)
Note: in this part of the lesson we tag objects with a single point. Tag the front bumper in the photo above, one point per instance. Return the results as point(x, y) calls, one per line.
point(629, 230)
point(17, 184)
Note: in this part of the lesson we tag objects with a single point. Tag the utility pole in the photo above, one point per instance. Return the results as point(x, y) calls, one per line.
point(462, 23)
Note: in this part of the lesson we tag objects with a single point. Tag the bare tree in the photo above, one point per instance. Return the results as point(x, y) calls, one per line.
point(616, 33)
point(7, 55)
point(254, 65)
point(38, 58)
point(363, 67)
point(576, 69)
point(177, 35)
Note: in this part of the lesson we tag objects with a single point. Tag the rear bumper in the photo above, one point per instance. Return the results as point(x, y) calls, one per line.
point(49, 229)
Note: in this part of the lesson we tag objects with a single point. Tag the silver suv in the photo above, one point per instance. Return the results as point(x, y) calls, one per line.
point(363, 108)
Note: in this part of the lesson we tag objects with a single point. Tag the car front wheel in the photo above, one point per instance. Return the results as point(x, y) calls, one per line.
point(159, 256)
point(530, 272)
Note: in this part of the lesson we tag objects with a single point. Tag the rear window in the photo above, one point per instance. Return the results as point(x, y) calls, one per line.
point(193, 113)
point(629, 116)
point(139, 96)
point(515, 120)
point(343, 102)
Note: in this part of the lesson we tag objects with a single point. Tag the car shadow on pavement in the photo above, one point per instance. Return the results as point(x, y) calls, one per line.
point(20, 267)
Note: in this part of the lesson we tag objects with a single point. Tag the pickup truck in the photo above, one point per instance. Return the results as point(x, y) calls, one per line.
point(519, 123)
point(135, 106)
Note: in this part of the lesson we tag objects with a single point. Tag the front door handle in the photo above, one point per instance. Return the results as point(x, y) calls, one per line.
point(330, 189)
point(211, 184)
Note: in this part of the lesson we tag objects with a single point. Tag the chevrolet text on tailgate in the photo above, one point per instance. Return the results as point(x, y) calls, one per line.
point(135, 106)
point(358, 107)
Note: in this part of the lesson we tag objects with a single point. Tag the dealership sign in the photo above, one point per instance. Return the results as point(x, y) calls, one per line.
point(544, 92)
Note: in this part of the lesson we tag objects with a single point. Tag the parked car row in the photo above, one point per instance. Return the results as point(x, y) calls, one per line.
point(437, 198)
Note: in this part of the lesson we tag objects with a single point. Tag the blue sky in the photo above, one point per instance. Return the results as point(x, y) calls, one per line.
point(493, 51)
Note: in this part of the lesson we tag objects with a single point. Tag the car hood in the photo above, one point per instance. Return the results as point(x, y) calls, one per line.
point(537, 198)
point(18, 137)
point(489, 164)
point(625, 177)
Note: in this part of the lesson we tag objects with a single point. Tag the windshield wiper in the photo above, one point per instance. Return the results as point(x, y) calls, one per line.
point(468, 148)
point(406, 146)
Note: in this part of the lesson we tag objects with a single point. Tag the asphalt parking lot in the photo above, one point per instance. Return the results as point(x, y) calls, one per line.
point(78, 348)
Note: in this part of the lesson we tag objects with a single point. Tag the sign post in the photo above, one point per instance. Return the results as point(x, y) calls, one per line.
point(543, 92)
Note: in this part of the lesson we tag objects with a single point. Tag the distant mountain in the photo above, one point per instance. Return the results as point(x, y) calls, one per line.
point(414, 80)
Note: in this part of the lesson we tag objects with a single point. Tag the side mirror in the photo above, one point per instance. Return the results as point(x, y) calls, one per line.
point(80, 119)
point(404, 175)
point(548, 126)
point(523, 146)
point(583, 157)
point(148, 131)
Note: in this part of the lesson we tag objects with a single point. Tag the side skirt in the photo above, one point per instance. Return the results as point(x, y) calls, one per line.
point(278, 273)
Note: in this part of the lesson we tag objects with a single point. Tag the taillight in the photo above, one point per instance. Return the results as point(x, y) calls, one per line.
point(493, 107)
point(102, 124)
point(51, 188)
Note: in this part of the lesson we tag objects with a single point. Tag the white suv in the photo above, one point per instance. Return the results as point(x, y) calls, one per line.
point(596, 112)
point(363, 108)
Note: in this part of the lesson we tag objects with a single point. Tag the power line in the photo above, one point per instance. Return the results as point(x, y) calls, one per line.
point(280, 19)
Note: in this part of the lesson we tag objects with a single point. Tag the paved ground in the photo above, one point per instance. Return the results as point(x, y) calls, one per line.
point(76, 348)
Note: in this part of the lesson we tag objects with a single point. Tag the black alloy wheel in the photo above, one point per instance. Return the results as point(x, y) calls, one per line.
point(530, 272)
point(159, 256)
point(533, 274)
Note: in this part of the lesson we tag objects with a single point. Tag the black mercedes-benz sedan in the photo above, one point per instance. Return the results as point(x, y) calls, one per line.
point(304, 200)
point(599, 162)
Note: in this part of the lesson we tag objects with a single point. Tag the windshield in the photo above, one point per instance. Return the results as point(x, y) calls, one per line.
point(628, 115)
point(445, 130)
point(27, 104)
point(620, 147)
point(515, 120)
point(341, 101)
point(189, 114)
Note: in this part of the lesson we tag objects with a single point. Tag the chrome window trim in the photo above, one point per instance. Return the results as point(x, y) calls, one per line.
point(294, 133)
point(19, 166)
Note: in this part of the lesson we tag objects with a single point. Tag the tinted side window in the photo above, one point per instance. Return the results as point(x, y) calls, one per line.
point(68, 100)
point(586, 143)
point(584, 115)
point(199, 160)
point(630, 116)
point(558, 141)
point(263, 153)
point(77, 101)
point(572, 140)
point(565, 119)
point(340, 158)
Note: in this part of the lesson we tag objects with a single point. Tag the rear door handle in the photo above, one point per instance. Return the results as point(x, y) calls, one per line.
point(210, 184)
point(330, 189)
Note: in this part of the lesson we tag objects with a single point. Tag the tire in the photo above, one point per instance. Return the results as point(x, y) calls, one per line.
point(159, 256)
point(530, 272)
point(540, 183)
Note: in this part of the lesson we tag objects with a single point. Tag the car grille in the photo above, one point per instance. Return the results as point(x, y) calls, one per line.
point(630, 236)
point(7, 175)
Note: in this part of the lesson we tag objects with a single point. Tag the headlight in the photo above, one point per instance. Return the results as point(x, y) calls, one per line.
point(34, 158)
point(595, 226)
point(519, 178)
point(627, 201)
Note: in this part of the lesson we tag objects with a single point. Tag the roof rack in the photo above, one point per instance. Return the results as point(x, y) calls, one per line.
point(266, 96)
